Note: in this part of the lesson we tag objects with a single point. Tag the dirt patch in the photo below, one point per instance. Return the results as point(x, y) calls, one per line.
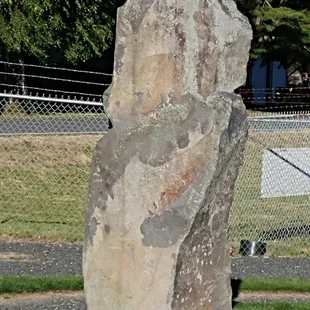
point(269, 295)
point(14, 256)
point(13, 298)
point(43, 240)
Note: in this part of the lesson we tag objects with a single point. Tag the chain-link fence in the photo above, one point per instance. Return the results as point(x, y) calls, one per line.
point(271, 210)
point(46, 147)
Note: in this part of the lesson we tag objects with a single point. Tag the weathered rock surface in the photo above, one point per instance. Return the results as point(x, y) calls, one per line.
point(163, 178)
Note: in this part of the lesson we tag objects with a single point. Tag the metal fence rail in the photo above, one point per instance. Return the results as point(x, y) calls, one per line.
point(46, 146)
point(50, 115)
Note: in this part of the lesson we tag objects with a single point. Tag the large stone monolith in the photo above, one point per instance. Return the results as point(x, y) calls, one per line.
point(163, 178)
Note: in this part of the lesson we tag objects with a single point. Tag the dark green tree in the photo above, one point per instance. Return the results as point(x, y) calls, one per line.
point(281, 29)
point(77, 30)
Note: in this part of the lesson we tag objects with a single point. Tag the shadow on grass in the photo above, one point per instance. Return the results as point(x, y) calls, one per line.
point(235, 288)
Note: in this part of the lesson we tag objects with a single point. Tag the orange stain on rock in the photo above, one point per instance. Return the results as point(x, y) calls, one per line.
point(180, 184)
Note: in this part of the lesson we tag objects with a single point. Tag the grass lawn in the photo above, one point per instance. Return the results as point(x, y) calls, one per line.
point(23, 284)
point(44, 183)
point(273, 306)
point(11, 284)
point(272, 284)
point(251, 215)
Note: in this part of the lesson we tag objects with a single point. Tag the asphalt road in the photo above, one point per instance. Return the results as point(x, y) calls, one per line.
point(270, 267)
point(80, 124)
point(53, 125)
point(31, 258)
point(28, 258)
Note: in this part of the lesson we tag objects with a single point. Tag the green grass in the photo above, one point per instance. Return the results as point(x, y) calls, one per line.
point(13, 284)
point(251, 214)
point(273, 306)
point(43, 186)
point(272, 284)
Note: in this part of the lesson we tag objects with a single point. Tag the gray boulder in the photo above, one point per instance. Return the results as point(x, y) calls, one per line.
point(163, 178)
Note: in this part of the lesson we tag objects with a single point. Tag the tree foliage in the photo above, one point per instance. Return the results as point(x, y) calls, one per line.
point(76, 29)
point(281, 29)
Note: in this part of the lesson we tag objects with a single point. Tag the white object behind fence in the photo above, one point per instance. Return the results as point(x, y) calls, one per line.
point(286, 172)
